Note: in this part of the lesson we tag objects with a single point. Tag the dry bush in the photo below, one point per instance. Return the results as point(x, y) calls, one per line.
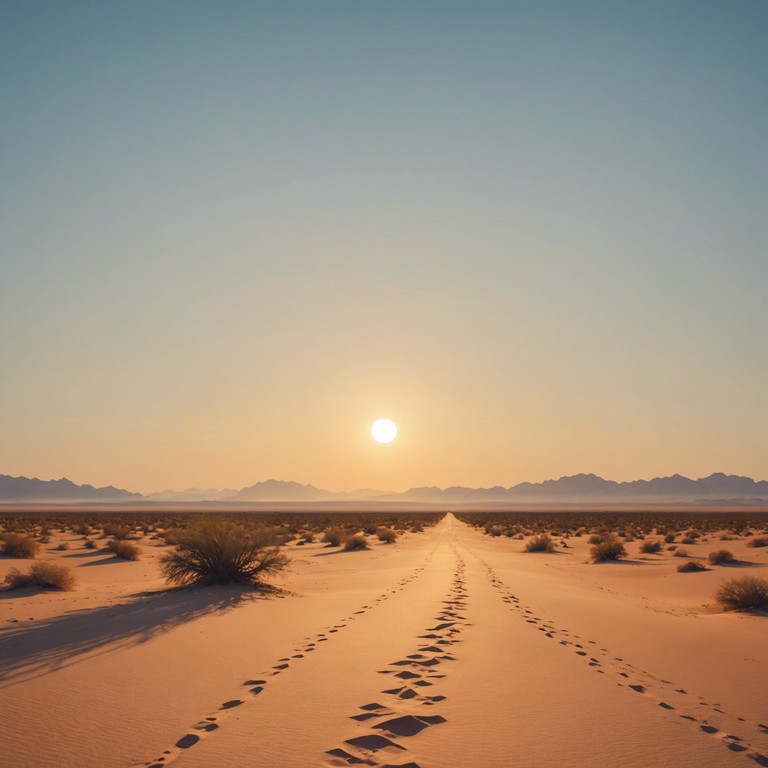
point(308, 537)
point(595, 538)
point(681, 552)
point(124, 549)
point(18, 545)
point(540, 543)
point(691, 566)
point(758, 541)
point(356, 541)
point(334, 536)
point(387, 535)
point(119, 532)
point(649, 547)
point(90, 544)
point(222, 552)
point(687, 540)
point(42, 574)
point(743, 594)
point(669, 538)
point(607, 549)
point(63, 546)
point(721, 556)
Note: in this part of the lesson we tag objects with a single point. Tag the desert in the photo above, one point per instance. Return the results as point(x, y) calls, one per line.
point(450, 645)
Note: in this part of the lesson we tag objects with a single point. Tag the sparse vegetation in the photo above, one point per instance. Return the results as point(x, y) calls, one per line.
point(691, 566)
point(42, 574)
point(758, 541)
point(222, 552)
point(610, 548)
point(650, 547)
point(743, 594)
point(18, 545)
point(334, 536)
point(681, 552)
point(721, 556)
point(354, 542)
point(540, 543)
point(124, 549)
point(387, 535)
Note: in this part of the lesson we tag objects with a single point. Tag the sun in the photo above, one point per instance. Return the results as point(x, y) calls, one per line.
point(384, 430)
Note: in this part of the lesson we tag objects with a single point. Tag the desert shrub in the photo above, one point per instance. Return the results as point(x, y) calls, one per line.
point(356, 541)
point(758, 541)
point(721, 556)
point(387, 535)
point(595, 538)
point(119, 532)
point(540, 543)
point(691, 566)
point(124, 549)
point(42, 574)
point(18, 545)
point(90, 544)
point(222, 552)
point(334, 536)
point(649, 547)
point(680, 552)
point(669, 538)
point(608, 548)
point(308, 537)
point(687, 540)
point(63, 546)
point(743, 594)
point(693, 534)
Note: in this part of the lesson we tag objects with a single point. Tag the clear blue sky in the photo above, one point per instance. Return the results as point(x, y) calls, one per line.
point(233, 234)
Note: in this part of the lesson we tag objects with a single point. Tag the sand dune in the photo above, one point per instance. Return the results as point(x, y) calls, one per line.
point(449, 648)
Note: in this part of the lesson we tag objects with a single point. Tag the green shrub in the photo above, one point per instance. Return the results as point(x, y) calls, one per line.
point(743, 594)
point(222, 552)
point(540, 543)
point(721, 556)
point(42, 574)
point(18, 545)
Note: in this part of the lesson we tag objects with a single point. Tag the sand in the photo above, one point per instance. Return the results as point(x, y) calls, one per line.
point(448, 648)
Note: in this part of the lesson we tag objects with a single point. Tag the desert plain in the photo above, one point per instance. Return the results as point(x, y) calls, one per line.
point(450, 647)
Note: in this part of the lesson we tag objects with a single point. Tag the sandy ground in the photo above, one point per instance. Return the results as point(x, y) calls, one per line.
point(448, 648)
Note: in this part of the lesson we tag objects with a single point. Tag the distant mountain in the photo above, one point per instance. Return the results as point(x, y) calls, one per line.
point(194, 494)
point(283, 490)
point(32, 489)
point(592, 487)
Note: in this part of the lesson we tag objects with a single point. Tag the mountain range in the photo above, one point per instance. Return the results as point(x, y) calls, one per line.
point(582, 487)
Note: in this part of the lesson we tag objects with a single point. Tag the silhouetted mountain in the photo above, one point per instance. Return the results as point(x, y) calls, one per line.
point(592, 487)
point(282, 490)
point(33, 489)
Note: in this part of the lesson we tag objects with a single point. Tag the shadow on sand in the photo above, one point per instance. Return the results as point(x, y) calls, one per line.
point(31, 650)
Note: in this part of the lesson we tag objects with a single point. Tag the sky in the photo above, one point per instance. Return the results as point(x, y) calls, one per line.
point(232, 235)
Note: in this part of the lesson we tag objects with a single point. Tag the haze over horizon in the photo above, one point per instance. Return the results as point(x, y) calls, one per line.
point(533, 235)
